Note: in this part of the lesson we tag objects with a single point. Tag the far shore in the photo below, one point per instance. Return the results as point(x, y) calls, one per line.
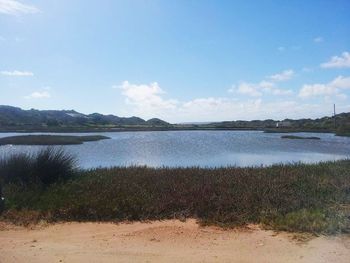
point(140, 129)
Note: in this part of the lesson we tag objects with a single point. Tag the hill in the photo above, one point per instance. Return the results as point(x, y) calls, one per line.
point(17, 119)
point(13, 118)
point(324, 124)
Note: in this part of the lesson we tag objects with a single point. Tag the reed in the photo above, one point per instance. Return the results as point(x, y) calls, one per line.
point(299, 197)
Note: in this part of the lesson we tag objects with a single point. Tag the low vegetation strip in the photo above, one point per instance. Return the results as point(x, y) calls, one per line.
point(50, 139)
point(299, 197)
point(293, 137)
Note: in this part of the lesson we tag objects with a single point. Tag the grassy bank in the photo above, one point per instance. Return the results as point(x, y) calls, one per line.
point(311, 198)
point(50, 139)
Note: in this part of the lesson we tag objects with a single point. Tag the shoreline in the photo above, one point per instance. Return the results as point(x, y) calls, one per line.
point(150, 129)
point(168, 240)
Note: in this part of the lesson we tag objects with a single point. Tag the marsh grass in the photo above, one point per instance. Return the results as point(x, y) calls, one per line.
point(307, 198)
point(50, 139)
point(49, 165)
point(293, 137)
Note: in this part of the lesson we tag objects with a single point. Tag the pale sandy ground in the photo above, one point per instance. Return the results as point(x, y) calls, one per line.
point(165, 241)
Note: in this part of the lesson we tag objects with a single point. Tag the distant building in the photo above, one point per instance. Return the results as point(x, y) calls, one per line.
point(283, 124)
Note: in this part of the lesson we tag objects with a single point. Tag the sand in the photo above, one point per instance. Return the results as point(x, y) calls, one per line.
point(164, 241)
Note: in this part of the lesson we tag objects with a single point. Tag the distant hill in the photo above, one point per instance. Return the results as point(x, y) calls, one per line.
point(16, 117)
point(157, 122)
point(320, 124)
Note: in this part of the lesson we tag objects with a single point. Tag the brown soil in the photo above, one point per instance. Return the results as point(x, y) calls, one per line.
point(164, 241)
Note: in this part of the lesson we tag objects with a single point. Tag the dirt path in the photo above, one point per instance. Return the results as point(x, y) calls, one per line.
point(165, 241)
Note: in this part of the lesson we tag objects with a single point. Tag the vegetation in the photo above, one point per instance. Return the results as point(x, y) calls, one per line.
point(344, 130)
point(293, 137)
point(49, 139)
point(313, 198)
point(46, 167)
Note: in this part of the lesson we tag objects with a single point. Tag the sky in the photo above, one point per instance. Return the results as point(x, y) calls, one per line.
point(178, 60)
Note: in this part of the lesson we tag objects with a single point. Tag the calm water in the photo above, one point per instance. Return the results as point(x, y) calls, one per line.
point(200, 148)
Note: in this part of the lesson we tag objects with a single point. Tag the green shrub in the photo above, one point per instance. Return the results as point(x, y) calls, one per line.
point(313, 220)
point(17, 169)
point(53, 165)
point(46, 167)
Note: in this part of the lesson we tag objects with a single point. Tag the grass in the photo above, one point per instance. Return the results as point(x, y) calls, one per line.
point(48, 166)
point(293, 137)
point(301, 197)
point(50, 139)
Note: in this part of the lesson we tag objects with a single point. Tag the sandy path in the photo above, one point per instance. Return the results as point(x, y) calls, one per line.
point(166, 241)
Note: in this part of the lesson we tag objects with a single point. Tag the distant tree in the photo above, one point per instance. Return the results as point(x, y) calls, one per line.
point(52, 123)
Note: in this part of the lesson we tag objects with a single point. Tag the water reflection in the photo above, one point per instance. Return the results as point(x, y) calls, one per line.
point(200, 148)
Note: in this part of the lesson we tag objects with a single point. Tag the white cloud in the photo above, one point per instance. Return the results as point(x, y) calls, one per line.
point(342, 61)
point(205, 104)
point(264, 86)
point(332, 88)
point(316, 90)
point(146, 98)
point(341, 82)
point(318, 39)
point(12, 7)
point(283, 76)
point(39, 95)
point(277, 92)
point(216, 109)
point(249, 89)
point(17, 73)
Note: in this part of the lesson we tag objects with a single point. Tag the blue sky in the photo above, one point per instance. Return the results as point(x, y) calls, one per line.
point(177, 60)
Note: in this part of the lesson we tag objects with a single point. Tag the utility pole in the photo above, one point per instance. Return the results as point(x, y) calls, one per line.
point(335, 120)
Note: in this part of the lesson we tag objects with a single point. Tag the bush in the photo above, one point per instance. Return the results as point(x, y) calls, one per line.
point(53, 165)
point(48, 166)
point(313, 220)
point(16, 169)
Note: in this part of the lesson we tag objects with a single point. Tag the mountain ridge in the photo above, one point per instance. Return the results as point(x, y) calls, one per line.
point(15, 116)
point(17, 119)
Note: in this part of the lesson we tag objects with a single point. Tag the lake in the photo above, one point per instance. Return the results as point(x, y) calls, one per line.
point(199, 148)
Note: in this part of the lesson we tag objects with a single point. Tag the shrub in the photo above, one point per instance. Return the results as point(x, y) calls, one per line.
point(53, 165)
point(46, 167)
point(16, 169)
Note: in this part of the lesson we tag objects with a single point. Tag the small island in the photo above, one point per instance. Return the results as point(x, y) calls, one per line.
point(50, 139)
point(293, 137)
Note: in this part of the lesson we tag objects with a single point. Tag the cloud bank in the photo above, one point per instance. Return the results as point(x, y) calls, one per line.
point(12, 7)
point(333, 88)
point(149, 100)
point(39, 95)
point(17, 73)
